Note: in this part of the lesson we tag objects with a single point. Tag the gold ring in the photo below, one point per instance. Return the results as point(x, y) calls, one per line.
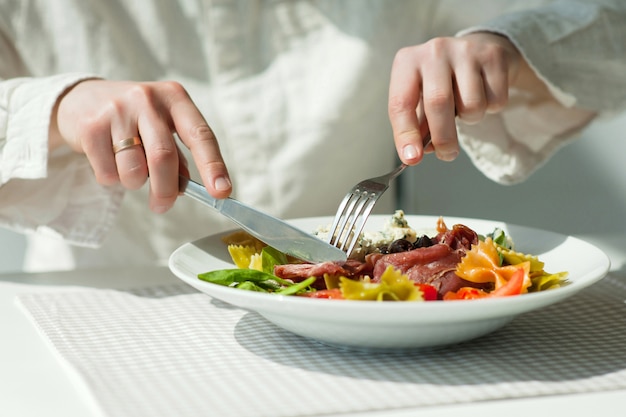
point(126, 143)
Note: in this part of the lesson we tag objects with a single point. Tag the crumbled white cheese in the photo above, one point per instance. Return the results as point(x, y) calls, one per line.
point(395, 228)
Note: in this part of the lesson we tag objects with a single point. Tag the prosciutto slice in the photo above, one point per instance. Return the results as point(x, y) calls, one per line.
point(298, 272)
point(434, 265)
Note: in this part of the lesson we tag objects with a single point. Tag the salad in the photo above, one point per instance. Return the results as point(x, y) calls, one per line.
point(395, 264)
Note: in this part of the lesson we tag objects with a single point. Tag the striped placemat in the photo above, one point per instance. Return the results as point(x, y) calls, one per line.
point(170, 351)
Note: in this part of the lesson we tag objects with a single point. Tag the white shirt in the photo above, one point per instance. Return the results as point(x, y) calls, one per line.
point(296, 92)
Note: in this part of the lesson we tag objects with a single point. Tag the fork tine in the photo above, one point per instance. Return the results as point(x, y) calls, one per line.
point(350, 220)
point(355, 208)
point(343, 232)
point(340, 219)
point(358, 228)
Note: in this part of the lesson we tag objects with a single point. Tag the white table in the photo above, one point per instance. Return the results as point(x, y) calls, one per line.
point(33, 383)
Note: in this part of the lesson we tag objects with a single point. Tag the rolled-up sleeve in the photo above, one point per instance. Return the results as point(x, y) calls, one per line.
point(26, 106)
point(578, 48)
point(53, 194)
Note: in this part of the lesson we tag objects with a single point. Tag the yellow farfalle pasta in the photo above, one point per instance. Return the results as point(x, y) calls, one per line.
point(256, 262)
point(242, 238)
point(393, 286)
point(511, 257)
point(540, 279)
point(242, 255)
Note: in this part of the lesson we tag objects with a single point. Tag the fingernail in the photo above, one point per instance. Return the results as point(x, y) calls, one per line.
point(222, 184)
point(160, 209)
point(447, 156)
point(409, 152)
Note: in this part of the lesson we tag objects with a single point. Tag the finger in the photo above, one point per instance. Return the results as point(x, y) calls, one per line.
point(196, 134)
point(130, 159)
point(424, 129)
point(438, 96)
point(470, 102)
point(161, 155)
point(496, 84)
point(404, 96)
point(98, 150)
point(183, 167)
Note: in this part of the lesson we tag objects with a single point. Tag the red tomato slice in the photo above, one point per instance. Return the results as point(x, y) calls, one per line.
point(465, 293)
point(430, 292)
point(334, 294)
point(512, 287)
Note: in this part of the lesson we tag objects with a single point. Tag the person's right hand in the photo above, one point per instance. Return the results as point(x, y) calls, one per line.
point(94, 115)
point(435, 82)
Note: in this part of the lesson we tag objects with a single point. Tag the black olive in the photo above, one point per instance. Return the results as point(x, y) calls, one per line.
point(423, 242)
point(400, 245)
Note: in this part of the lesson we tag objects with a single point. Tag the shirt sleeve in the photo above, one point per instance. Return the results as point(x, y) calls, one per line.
point(55, 194)
point(578, 48)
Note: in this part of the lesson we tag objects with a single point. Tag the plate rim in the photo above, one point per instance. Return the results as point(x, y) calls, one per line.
point(540, 299)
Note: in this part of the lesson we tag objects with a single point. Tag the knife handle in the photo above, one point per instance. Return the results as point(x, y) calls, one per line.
point(197, 191)
point(274, 232)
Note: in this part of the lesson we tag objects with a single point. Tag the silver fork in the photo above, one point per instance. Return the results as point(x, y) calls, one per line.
point(356, 207)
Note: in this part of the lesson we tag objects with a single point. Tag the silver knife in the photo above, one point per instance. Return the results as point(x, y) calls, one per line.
point(275, 232)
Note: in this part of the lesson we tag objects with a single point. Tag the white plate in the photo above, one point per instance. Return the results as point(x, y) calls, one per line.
point(388, 325)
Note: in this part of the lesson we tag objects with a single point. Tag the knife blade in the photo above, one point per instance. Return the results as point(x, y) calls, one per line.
point(275, 232)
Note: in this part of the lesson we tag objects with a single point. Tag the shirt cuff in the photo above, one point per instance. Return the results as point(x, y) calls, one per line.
point(509, 146)
point(51, 194)
point(26, 123)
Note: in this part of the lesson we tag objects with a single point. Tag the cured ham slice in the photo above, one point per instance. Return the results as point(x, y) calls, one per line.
point(434, 265)
point(298, 272)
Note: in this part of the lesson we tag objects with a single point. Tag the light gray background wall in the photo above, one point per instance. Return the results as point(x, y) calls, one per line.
point(12, 251)
point(582, 190)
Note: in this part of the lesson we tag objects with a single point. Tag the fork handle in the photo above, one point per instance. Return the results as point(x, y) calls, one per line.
point(393, 174)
